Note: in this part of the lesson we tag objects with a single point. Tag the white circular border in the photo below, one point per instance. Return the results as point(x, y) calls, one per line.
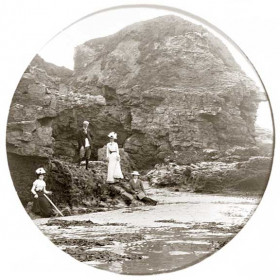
point(25, 27)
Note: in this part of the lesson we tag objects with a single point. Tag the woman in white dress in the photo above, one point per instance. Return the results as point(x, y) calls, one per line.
point(113, 156)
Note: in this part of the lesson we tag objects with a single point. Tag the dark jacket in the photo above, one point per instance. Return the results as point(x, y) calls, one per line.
point(82, 137)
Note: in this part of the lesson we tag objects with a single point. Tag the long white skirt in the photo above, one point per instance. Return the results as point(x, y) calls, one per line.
point(114, 168)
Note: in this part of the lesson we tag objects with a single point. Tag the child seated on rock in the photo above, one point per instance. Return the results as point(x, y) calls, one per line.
point(137, 188)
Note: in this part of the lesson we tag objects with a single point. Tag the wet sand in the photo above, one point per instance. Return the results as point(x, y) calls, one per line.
point(181, 230)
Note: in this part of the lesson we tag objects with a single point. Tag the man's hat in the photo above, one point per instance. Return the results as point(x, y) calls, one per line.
point(86, 122)
point(135, 173)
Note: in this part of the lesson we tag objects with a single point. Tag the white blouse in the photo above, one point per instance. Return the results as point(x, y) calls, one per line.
point(112, 147)
point(38, 185)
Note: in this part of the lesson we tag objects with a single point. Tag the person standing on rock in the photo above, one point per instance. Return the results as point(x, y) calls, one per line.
point(41, 205)
point(113, 158)
point(137, 188)
point(84, 142)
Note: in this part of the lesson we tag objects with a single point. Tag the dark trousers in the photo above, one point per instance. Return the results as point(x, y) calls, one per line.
point(84, 152)
point(148, 201)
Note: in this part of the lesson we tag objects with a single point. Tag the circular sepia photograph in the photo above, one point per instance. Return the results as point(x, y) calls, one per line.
point(140, 139)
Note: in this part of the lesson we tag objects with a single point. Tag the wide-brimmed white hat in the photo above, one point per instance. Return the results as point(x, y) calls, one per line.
point(40, 171)
point(135, 173)
point(86, 122)
point(112, 135)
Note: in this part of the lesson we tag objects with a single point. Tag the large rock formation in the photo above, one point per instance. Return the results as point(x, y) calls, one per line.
point(177, 86)
point(168, 87)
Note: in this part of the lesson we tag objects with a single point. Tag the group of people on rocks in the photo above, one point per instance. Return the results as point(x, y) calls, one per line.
point(43, 206)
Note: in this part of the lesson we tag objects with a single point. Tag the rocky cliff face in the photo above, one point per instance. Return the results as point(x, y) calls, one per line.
point(177, 87)
point(168, 87)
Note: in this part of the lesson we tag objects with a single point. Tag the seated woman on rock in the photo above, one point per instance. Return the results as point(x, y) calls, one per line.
point(137, 188)
point(41, 205)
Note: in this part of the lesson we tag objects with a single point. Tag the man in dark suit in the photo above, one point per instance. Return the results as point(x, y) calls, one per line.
point(84, 142)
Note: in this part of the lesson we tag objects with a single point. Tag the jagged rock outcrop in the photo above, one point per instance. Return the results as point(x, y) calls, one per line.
point(168, 87)
point(77, 190)
point(264, 140)
point(249, 176)
point(37, 110)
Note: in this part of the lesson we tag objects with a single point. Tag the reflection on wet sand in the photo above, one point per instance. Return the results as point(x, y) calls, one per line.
point(182, 230)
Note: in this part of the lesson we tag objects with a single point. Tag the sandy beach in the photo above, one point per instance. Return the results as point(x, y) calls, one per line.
point(181, 230)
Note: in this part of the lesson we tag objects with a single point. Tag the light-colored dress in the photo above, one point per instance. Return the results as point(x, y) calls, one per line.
point(114, 166)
